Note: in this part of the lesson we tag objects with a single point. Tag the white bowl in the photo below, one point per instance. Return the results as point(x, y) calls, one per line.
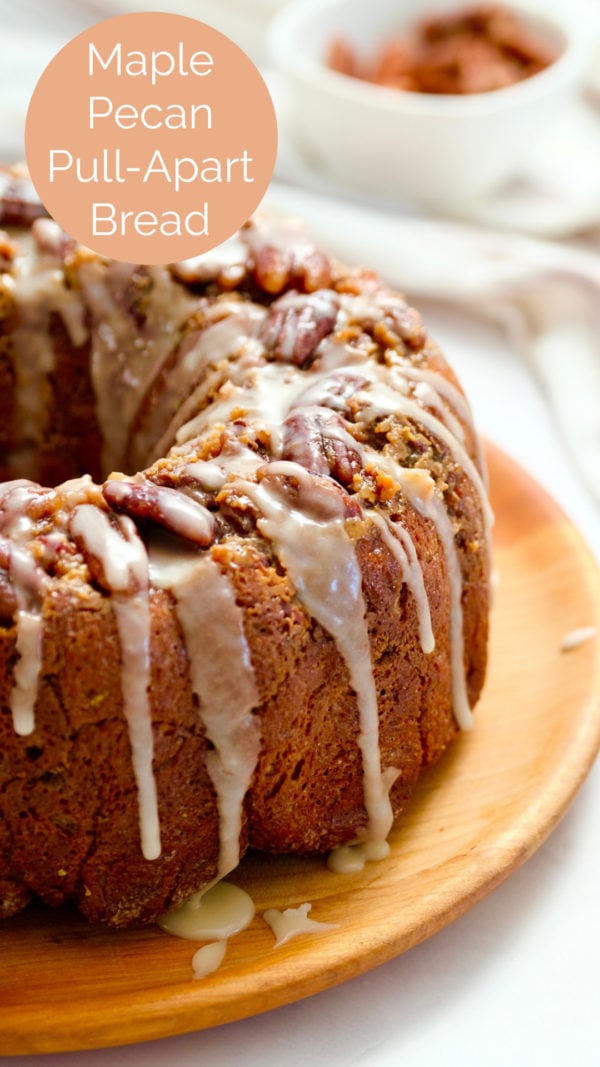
point(437, 151)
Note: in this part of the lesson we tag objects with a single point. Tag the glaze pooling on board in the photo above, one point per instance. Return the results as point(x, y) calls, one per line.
point(278, 403)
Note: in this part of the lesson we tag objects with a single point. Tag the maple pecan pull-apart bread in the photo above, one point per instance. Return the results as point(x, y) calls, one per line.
point(264, 637)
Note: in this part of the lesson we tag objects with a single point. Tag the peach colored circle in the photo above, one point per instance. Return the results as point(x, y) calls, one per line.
point(161, 122)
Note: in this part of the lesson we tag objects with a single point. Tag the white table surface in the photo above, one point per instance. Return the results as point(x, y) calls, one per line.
point(514, 981)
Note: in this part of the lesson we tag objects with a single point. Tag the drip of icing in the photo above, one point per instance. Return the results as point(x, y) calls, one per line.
point(223, 681)
point(384, 398)
point(348, 859)
point(29, 648)
point(321, 562)
point(208, 473)
point(445, 390)
point(215, 913)
point(208, 958)
point(294, 921)
point(401, 544)
point(133, 620)
point(125, 565)
point(440, 386)
point(385, 394)
point(419, 488)
point(426, 395)
point(388, 397)
point(436, 512)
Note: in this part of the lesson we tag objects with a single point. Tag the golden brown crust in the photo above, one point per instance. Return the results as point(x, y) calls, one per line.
point(70, 800)
point(69, 826)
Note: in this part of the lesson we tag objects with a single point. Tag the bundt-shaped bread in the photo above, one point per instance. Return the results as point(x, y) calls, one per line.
point(264, 637)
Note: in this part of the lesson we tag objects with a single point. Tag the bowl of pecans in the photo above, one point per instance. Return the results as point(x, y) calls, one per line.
point(425, 101)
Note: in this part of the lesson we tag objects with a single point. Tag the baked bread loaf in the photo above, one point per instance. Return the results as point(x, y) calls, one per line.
point(266, 636)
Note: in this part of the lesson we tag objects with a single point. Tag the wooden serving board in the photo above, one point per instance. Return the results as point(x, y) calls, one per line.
point(65, 985)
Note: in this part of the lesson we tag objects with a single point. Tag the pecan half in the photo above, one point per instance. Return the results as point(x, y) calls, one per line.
point(297, 323)
point(317, 440)
point(284, 257)
point(319, 498)
point(169, 508)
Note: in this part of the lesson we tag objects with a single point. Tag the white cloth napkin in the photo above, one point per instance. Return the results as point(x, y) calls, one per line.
point(546, 295)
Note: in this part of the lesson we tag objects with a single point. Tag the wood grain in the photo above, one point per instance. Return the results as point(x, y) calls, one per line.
point(65, 985)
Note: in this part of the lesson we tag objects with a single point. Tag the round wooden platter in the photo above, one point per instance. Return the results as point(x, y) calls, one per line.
point(66, 986)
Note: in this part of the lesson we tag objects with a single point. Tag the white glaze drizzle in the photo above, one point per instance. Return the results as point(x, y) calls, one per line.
point(446, 390)
point(321, 561)
point(266, 396)
point(384, 399)
point(125, 565)
point(434, 510)
point(419, 488)
point(349, 859)
point(223, 680)
point(257, 402)
point(29, 584)
point(400, 543)
point(385, 394)
point(269, 394)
